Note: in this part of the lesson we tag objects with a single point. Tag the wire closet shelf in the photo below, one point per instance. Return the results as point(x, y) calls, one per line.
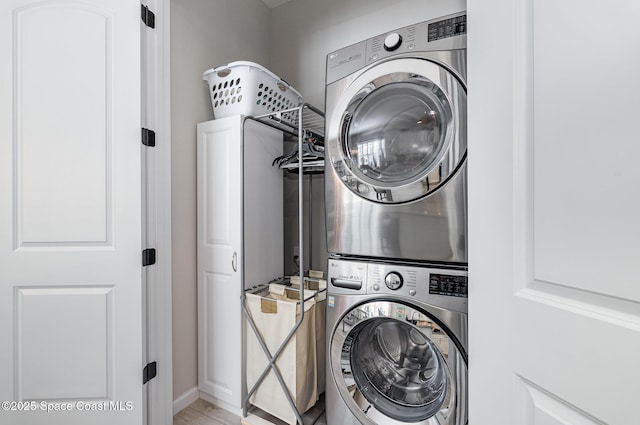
point(307, 157)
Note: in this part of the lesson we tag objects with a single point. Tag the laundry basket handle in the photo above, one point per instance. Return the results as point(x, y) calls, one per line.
point(223, 71)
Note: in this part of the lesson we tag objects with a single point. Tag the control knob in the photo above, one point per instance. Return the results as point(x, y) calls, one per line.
point(392, 42)
point(393, 280)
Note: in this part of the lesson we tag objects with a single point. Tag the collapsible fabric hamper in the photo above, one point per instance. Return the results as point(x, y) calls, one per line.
point(321, 347)
point(275, 315)
point(319, 285)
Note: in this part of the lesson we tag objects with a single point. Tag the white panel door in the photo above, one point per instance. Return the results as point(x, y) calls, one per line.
point(220, 260)
point(70, 222)
point(554, 207)
point(240, 242)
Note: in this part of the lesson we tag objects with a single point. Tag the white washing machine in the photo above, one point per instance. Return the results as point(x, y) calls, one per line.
point(396, 145)
point(397, 344)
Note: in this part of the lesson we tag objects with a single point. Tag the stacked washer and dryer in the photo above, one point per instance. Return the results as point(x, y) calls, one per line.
point(396, 206)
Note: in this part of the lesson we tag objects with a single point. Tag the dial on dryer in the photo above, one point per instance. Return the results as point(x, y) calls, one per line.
point(393, 280)
point(392, 42)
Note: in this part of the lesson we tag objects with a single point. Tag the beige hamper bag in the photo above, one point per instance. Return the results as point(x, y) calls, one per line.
point(320, 286)
point(321, 317)
point(275, 316)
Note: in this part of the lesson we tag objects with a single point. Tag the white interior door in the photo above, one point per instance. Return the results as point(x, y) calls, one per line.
point(554, 207)
point(70, 222)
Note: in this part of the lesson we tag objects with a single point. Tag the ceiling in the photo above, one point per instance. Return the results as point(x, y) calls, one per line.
point(274, 3)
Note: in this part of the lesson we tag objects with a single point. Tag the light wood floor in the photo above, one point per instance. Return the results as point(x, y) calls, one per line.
point(201, 412)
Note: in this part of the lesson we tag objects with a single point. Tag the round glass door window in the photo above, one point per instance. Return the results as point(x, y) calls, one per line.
point(402, 135)
point(398, 369)
point(396, 134)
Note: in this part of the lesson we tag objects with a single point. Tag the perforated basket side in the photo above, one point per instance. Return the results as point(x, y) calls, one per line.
point(249, 89)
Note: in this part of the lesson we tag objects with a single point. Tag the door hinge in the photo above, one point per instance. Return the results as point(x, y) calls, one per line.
point(148, 137)
point(148, 257)
point(148, 17)
point(149, 372)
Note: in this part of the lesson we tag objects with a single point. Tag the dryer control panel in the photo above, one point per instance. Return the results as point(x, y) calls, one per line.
point(445, 33)
point(445, 288)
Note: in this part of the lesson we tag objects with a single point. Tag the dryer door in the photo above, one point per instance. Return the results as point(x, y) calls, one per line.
point(392, 361)
point(402, 130)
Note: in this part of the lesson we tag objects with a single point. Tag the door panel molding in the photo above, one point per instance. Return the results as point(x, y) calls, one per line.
point(64, 343)
point(522, 170)
point(581, 157)
point(218, 186)
point(69, 206)
point(540, 407)
point(533, 267)
point(615, 311)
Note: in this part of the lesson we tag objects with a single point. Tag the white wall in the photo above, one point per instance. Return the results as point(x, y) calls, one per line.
point(204, 34)
point(303, 32)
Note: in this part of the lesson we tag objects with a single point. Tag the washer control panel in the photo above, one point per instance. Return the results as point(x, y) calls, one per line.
point(446, 288)
point(393, 280)
point(347, 277)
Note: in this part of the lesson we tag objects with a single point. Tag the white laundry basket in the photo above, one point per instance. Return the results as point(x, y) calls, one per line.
point(247, 88)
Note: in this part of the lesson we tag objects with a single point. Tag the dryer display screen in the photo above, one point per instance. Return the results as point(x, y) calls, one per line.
point(447, 28)
point(443, 284)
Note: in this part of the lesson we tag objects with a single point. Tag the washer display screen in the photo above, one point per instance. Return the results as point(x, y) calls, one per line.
point(444, 284)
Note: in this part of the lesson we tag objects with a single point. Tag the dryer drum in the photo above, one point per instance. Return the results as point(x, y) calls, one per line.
point(396, 134)
point(398, 369)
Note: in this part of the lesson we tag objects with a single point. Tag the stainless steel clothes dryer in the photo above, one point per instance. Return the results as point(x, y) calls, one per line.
point(397, 338)
point(396, 144)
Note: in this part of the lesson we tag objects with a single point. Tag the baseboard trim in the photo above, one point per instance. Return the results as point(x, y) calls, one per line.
point(185, 400)
point(221, 404)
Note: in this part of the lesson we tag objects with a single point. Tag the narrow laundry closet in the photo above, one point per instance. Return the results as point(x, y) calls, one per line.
point(552, 276)
point(291, 40)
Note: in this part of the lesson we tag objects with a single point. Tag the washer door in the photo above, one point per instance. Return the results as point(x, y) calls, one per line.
point(402, 130)
point(392, 362)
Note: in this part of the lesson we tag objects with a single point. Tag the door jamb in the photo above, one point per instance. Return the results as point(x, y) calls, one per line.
point(156, 98)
